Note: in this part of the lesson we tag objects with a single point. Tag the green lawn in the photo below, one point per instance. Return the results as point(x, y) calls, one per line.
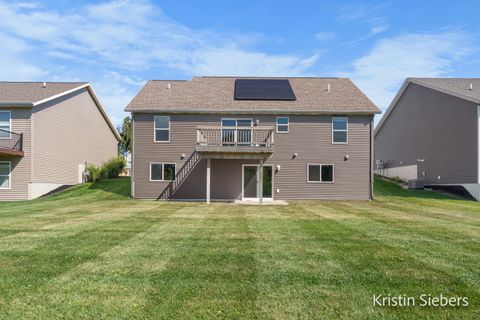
point(91, 252)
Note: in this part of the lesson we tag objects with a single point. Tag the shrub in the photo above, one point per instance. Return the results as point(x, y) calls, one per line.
point(107, 170)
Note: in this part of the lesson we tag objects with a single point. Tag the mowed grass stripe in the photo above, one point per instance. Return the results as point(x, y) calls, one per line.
point(289, 280)
point(374, 242)
point(114, 284)
point(213, 275)
point(22, 273)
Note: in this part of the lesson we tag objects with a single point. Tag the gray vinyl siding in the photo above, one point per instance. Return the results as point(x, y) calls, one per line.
point(309, 135)
point(431, 125)
point(20, 175)
point(67, 132)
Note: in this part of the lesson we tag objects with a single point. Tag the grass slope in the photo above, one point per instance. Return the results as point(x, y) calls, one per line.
point(92, 252)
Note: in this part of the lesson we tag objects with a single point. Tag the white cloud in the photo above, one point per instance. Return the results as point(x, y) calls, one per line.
point(364, 14)
point(125, 37)
point(116, 91)
point(13, 65)
point(225, 61)
point(136, 35)
point(326, 36)
point(378, 29)
point(380, 72)
point(358, 12)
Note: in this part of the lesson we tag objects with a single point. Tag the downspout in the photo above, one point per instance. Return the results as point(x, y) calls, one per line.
point(478, 143)
point(372, 155)
point(132, 165)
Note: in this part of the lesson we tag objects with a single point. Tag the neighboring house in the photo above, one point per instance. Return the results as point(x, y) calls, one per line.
point(48, 131)
point(430, 132)
point(128, 163)
point(226, 138)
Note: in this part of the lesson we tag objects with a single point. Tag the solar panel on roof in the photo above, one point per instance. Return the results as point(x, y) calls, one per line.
point(263, 89)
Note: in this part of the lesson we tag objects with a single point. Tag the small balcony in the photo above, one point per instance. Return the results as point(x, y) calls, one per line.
point(235, 142)
point(11, 143)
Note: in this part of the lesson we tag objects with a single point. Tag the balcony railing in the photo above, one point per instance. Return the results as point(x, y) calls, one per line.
point(227, 137)
point(11, 141)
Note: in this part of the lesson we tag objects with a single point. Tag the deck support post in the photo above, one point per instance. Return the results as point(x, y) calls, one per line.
point(208, 180)
point(260, 182)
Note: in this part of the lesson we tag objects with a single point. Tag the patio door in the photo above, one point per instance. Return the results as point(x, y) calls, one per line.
point(251, 182)
point(237, 132)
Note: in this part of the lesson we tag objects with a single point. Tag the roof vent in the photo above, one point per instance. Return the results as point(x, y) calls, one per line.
point(470, 87)
point(44, 85)
point(328, 87)
point(169, 86)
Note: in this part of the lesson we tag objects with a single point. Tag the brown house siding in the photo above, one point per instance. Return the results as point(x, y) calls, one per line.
point(431, 125)
point(20, 176)
point(310, 136)
point(67, 132)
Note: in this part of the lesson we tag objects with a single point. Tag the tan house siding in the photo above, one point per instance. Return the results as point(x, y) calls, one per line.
point(434, 126)
point(67, 132)
point(20, 175)
point(310, 136)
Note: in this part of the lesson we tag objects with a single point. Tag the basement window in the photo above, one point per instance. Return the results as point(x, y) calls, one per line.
point(320, 173)
point(5, 174)
point(162, 171)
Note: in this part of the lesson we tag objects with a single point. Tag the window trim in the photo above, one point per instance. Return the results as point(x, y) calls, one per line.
point(155, 130)
point(9, 124)
point(9, 175)
point(321, 164)
point(288, 125)
point(236, 122)
point(163, 171)
point(346, 130)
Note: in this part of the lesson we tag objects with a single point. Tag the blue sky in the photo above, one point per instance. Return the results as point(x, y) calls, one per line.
point(117, 45)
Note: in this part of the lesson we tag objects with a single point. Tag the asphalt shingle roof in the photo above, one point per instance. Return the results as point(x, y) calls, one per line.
point(31, 92)
point(456, 86)
point(216, 94)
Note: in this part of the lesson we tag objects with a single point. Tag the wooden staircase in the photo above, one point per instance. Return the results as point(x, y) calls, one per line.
point(181, 176)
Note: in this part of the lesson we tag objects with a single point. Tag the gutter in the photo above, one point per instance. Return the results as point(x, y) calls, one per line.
point(230, 111)
point(16, 104)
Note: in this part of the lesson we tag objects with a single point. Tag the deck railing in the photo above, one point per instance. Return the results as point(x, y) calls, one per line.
point(11, 140)
point(235, 136)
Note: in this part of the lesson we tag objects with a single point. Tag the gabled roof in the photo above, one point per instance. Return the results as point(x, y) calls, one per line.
point(458, 87)
point(31, 94)
point(216, 94)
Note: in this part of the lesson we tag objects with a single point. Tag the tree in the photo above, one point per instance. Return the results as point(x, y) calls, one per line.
point(126, 134)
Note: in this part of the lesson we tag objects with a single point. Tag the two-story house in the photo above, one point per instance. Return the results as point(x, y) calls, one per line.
point(431, 133)
point(260, 139)
point(48, 131)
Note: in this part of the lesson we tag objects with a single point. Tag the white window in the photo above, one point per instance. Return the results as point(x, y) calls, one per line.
point(5, 174)
point(5, 124)
point(162, 128)
point(162, 171)
point(282, 124)
point(317, 173)
point(339, 130)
